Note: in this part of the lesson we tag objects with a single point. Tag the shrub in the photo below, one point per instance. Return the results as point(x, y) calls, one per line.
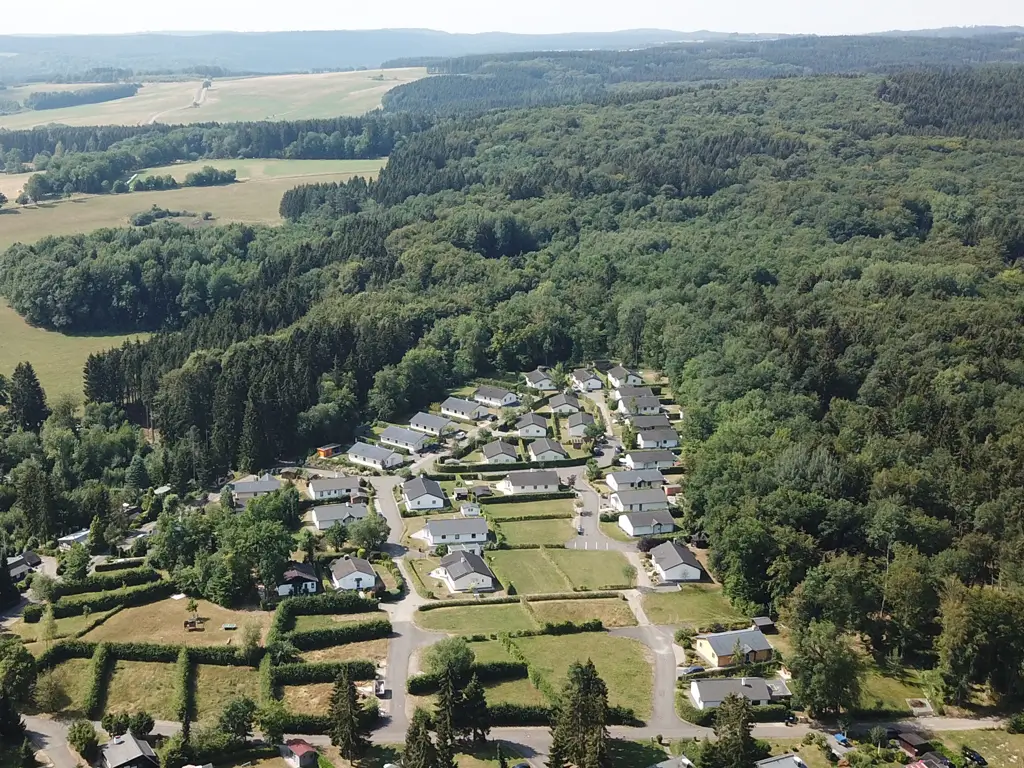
point(62, 651)
point(505, 714)
point(322, 672)
point(689, 713)
point(346, 633)
point(105, 582)
point(82, 736)
point(102, 664)
point(33, 613)
point(76, 605)
point(489, 672)
point(184, 673)
point(491, 501)
point(119, 565)
point(1015, 723)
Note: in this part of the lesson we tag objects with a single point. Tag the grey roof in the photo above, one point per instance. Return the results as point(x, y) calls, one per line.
point(779, 688)
point(671, 553)
point(491, 393)
point(659, 434)
point(499, 448)
point(422, 486)
point(296, 570)
point(563, 399)
point(642, 496)
point(403, 435)
point(462, 563)
point(584, 374)
point(343, 483)
point(620, 373)
point(343, 566)
point(547, 444)
point(631, 391)
point(126, 749)
point(537, 376)
point(534, 419)
point(636, 476)
point(655, 454)
point(75, 536)
point(650, 422)
point(372, 452)
point(458, 405)
point(430, 421)
point(635, 404)
point(781, 761)
point(534, 477)
point(265, 484)
point(457, 525)
point(645, 519)
point(750, 688)
point(328, 513)
point(580, 419)
point(751, 639)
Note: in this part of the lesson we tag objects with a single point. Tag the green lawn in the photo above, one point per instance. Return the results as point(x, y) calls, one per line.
point(551, 533)
point(881, 691)
point(514, 692)
point(696, 605)
point(477, 619)
point(612, 611)
point(529, 570)
point(499, 512)
point(612, 531)
point(216, 686)
point(592, 569)
point(622, 663)
point(422, 566)
point(634, 754)
point(1000, 748)
point(65, 627)
point(326, 621)
point(489, 650)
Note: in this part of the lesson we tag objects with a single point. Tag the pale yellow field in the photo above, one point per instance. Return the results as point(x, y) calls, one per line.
point(11, 184)
point(274, 97)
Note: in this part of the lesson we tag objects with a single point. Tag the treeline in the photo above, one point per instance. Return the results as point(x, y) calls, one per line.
point(57, 99)
point(489, 81)
point(985, 103)
point(208, 176)
point(94, 160)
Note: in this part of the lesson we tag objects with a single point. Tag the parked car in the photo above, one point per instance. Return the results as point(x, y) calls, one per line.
point(974, 757)
point(692, 670)
point(842, 741)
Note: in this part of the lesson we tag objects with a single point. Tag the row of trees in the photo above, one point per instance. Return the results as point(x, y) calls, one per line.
point(75, 98)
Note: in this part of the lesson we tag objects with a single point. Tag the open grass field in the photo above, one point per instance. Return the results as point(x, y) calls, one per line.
point(623, 664)
point(276, 97)
point(374, 650)
point(592, 569)
point(693, 604)
point(551, 533)
point(58, 359)
point(258, 169)
point(161, 622)
point(612, 611)
point(882, 691)
point(612, 531)
point(326, 621)
point(486, 651)
point(499, 512)
point(216, 686)
point(65, 627)
point(76, 677)
point(809, 753)
point(529, 570)
point(144, 685)
point(11, 184)
point(253, 202)
point(313, 699)
point(1001, 749)
point(477, 619)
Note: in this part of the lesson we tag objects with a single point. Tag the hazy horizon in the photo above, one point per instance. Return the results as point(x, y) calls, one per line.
point(531, 17)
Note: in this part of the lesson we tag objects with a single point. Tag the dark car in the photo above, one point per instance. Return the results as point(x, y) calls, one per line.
point(691, 670)
point(974, 757)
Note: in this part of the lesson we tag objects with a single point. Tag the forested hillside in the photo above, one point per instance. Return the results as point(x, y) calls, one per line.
point(834, 292)
point(482, 82)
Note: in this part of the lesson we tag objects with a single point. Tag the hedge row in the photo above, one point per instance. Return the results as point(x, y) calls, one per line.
point(505, 714)
point(76, 605)
point(522, 498)
point(184, 673)
point(512, 466)
point(400, 586)
point(486, 672)
point(347, 633)
point(105, 582)
point(674, 471)
point(96, 698)
point(62, 651)
point(524, 518)
point(97, 622)
point(768, 713)
point(321, 672)
point(457, 603)
point(119, 565)
point(315, 605)
point(266, 677)
point(595, 595)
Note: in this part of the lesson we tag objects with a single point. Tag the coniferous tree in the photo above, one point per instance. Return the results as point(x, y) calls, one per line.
point(252, 446)
point(472, 717)
point(735, 747)
point(26, 400)
point(579, 733)
point(448, 701)
point(347, 732)
point(419, 750)
point(9, 594)
point(136, 476)
point(499, 756)
point(96, 542)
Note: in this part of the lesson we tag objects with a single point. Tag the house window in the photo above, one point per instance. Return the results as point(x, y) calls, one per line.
point(456, 537)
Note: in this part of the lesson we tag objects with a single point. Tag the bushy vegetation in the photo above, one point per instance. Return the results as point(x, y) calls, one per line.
point(74, 98)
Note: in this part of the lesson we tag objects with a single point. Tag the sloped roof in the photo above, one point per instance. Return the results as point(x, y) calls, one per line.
point(631, 391)
point(430, 421)
point(265, 484)
point(620, 373)
point(457, 526)
point(750, 688)
point(751, 639)
point(331, 512)
point(499, 448)
point(458, 405)
point(491, 393)
point(532, 419)
point(659, 434)
point(547, 444)
point(371, 452)
point(126, 749)
point(581, 419)
point(563, 399)
point(343, 483)
point(403, 435)
point(462, 563)
point(296, 570)
point(533, 477)
point(650, 422)
point(642, 496)
point(344, 566)
point(648, 519)
point(537, 376)
point(672, 554)
point(655, 454)
point(584, 374)
point(422, 486)
point(635, 476)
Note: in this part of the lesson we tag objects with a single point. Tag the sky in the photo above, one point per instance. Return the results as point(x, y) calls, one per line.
point(826, 17)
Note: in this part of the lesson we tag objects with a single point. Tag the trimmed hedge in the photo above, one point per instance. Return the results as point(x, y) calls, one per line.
point(505, 714)
point(97, 622)
point(321, 672)
point(164, 654)
point(489, 672)
point(512, 466)
point(315, 605)
point(321, 724)
point(119, 565)
point(106, 582)
point(524, 518)
point(457, 603)
point(523, 498)
point(184, 672)
point(96, 699)
point(223, 656)
point(347, 633)
point(266, 673)
point(33, 613)
point(674, 471)
point(127, 597)
point(594, 595)
point(768, 713)
point(62, 651)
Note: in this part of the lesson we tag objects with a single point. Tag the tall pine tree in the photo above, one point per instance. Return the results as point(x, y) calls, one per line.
point(419, 750)
point(579, 734)
point(347, 732)
point(26, 399)
point(9, 594)
point(448, 702)
point(472, 717)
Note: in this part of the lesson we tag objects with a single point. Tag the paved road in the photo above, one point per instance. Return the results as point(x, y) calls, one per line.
point(659, 639)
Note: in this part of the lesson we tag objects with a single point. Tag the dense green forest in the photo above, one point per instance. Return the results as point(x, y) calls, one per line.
point(59, 99)
point(482, 82)
point(833, 289)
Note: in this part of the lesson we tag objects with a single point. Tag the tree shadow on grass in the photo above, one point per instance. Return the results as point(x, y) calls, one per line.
point(632, 754)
